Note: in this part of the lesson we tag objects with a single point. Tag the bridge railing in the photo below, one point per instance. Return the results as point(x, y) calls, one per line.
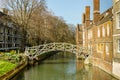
point(37, 50)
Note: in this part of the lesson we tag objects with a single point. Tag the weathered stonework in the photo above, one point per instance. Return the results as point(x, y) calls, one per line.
point(116, 37)
point(101, 35)
point(79, 38)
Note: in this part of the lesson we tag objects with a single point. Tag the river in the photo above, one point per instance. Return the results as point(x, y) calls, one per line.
point(59, 68)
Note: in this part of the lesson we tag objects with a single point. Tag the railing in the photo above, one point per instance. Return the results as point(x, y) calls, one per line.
point(33, 52)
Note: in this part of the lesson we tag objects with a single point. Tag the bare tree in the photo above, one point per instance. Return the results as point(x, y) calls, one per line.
point(21, 12)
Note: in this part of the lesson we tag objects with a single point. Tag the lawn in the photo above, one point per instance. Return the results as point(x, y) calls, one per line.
point(5, 67)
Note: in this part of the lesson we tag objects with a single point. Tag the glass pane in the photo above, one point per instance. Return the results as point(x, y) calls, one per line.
point(119, 19)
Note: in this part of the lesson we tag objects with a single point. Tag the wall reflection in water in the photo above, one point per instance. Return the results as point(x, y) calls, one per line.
point(63, 67)
point(87, 72)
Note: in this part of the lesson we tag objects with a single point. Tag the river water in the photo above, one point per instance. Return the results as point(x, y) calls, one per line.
point(57, 68)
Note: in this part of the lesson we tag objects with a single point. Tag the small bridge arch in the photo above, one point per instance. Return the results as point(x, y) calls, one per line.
point(33, 52)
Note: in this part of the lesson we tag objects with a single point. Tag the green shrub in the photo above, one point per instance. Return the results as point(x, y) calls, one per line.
point(13, 51)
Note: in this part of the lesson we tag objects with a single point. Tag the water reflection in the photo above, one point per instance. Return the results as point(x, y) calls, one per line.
point(63, 69)
point(87, 72)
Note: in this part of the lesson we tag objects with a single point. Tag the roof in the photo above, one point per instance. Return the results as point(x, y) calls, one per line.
point(105, 16)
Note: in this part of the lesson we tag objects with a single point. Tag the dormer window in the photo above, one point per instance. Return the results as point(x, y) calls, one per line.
point(106, 14)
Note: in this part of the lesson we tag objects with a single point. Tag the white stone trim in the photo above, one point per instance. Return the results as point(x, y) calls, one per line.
point(117, 17)
point(103, 31)
point(98, 32)
point(108, 29)
point(116, 35)
point(116, 68)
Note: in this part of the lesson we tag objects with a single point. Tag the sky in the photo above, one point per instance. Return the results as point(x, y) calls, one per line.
point(72, 10)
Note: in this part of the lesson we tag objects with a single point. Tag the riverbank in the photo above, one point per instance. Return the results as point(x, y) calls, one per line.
point(5, 67)
point(10, 74)
point(11, 64)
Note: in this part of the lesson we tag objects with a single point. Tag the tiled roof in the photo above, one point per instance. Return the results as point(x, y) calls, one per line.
point(105, 16)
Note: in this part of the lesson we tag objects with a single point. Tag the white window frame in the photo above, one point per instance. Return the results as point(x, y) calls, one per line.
point(107, 48)
point(118, 20)
point(108, 29)
point(91, 34)
point(88, 34)
point(99, 48)
point(103, 31)
point(118, 45)
point(98, 32)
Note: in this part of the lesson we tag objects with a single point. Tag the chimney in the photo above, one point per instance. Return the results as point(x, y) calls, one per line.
point(87, 16)
point(96, 11)
point(77, 33)
point(83, 18)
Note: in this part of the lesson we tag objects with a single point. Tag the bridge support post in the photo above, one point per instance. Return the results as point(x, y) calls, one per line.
point(80, 57)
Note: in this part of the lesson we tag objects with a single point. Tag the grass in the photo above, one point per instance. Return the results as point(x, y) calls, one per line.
point(5, 67)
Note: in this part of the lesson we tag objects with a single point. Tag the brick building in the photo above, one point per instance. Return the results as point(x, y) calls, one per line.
point(98, 35)
point(103, 41)
point(116, 37)
point(79, 38)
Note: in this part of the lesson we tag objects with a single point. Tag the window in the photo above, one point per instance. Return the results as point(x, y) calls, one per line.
point(1, 38)
point(100, 47)
point(103, 31)
point(118, 45)
point(98, 32)
point(107, 48)
point(118, 20)
point(108, 30)
point(89, 34)
point(1, 30)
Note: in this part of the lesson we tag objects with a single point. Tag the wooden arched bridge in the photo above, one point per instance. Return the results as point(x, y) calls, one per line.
point(33, 52)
